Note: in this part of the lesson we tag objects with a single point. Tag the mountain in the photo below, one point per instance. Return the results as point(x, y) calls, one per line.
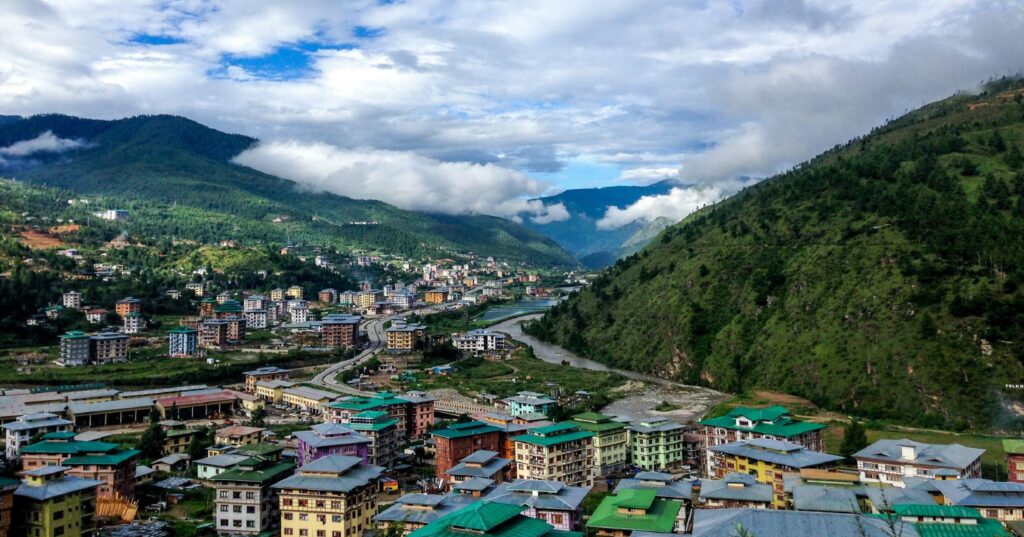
point(176, 178)
point(882, 279)
point(580, 235)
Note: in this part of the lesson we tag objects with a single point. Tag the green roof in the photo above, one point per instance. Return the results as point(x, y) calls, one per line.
point(635, 498)
point(8, 482)
point(375, 426)
point(369, 403)
point(782, 424)
point(372, 414)
point(1013, 446)
point(935, 510)
point(59, 435)
point(74, 334)
point(109, 459)
point(462, 430)
point(550, 435)
point(660, 517)
point(556, 428)
point(264, 476)
point(229, 306)
point(259, 449)
point(182, 330)
point(180, 432)
point(69, 448)
point(596, 423)
point(490, 519)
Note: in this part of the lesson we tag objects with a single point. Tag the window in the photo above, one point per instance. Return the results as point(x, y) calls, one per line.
point(287, 516)
point(236, 508)
point(287, 531)
point(250, 509)
point(250, 495)
point(303, 532)
point(250, 523)
point(223, 508)
point(336, 518)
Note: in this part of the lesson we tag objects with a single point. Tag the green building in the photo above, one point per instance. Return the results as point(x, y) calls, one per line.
point(490, 520)
point(611, 441)
point(657, 444)
point(51, 504)
point(632, 510)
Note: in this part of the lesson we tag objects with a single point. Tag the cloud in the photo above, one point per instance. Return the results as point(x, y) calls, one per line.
point(552, 213)
point(46, 142)
point(404, 179)
point(676, 205)
point(649, 174)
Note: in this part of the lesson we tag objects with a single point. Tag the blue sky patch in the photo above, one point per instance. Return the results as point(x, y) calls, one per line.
point(152, 39)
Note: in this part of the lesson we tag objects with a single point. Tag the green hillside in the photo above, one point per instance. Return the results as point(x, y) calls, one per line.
point(176, 178)
point(882, 279)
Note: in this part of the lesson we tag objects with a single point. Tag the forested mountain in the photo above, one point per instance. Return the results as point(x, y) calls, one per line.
point(176, 178)
point(580, 235)
point(883, 279)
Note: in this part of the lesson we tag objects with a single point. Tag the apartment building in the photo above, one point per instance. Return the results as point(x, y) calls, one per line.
point(330, 439)
point(436, 296)
point(482, 464)
point(263, 374)
point(105, 462)
point(294, 292)
point(404, 337)
point(551, 501)
point(132, 323)
point(340, 331)
point(256, 319)
point(772, 423)
point(128, 305)
point(611, 441)
point(72, 300)
point(334, 496)
point(414, 511)
point(657, 444)
point(529, 403)
point(245, 502)
point(480, 341)
point(460, 440)
point(560, 452)
point(890, 461)
point(20, 432)
point(75, 349)
point(768, 460)
point(182, 342)
point(50, 503)
point(413, 410)
point(109, 348)
point(382, 430)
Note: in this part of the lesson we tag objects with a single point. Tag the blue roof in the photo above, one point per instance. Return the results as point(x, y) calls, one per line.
point(736, 487)
point(56, 487)
point(423, 508)
point(551, 495)
point(981, 493)
point(823, 498)
point(776, 523)
point(777, 452)
point(941, 455)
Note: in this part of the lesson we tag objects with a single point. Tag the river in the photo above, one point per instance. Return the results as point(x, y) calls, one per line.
point(693, 401)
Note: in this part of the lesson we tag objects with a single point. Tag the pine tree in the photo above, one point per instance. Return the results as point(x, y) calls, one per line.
point(151, 444)
point(855, 438)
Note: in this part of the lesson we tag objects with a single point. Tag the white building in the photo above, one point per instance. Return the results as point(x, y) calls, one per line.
point(21, 431)
point(255, 302)
point(256, 319)
point(72, 300)
point(889, 461)
point(113, 214)
point(133, 323)
point(182, 342)
point(299, 315)
point(479, 341)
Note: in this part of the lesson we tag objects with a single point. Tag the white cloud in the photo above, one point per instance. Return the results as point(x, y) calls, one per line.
point(551, 213)
point(676, 205)
point(45, 142)
point(649, 174)
point(403, 179)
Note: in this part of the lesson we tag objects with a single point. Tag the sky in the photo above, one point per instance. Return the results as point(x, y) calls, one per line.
point(472, 106)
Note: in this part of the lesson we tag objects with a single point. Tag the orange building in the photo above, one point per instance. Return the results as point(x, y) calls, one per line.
point(128, 305)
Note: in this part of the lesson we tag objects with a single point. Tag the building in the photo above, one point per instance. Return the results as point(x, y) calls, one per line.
point(480, 341)
point(254, 303)
point(227, 307)
point(72, 300)
point(50, 504)
point(736, 490)
point(330, 439)
point(272, 390)
point(213, 333)
point(413, 511)
point(460, 440)
point(367, 298)
point(103, 461)
point(382, 430)
point(619, 515)
point(889, 461)
point(198, 406)
point(414, 411)
point(132, 323)
point(294, 292)
point(996, 500)
point(127, 410)
point(774, 523)
point(212, 466)
point(403, 337)
point(307, 399)
point(7, 487)
point(177, 439)
point(96, 315)
point(127, 305)
point(560, 452)
point(182, 342)
point(175, 462)
point(20, 431)
point(768, 460)
point(328, 296)
point(340, 331)
point(529, 403)
point(256, 319)
point(551, 501)
point(263, 374)
point(436, 296)
point(1014, 450)
point(75, 349)
point(772, 423)
point(277, 294)
point(480, 464)
point(610, 441)
point(403, 299)
point(333, 495)
point(238, 435)
point(657, 444)
point(109, 348)
point(246, 502)
point(298, 315)
point(197, 288)
point(490, 519)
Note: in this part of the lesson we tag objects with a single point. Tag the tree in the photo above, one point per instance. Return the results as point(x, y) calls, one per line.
point(855, 438)
point(197, 446)
point(151, 444)
point(258, 417)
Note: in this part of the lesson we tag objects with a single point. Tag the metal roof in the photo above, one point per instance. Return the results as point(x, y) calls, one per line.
point(135, 403)
point(827, 499)
point(551, 495)
point(738, 487)
point(55, 488)
point(439, 507)
point(942, 455)
point(351, 479)
point(777, 452)
point(777, 523)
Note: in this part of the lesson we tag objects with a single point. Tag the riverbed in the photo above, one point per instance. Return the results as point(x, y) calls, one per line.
point(693, 401)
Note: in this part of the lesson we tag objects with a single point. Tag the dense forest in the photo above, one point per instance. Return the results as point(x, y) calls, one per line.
point(883, 279)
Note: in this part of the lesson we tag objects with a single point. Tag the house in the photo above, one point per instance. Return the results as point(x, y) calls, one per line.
point(663, 485)
point(182, 342)
point(96, 315)
point(404, 337)
point(245, 501)
point(1014, 449)
point(551, 501)
point(330, 439)
point(529, 403)
point(177, 462)
point(50, 503)
point(307, 399)
point(459, 440)
point(333, 495)
point(736, 490)
point(772, 423)
point(480, 341)
point(239, 435)
point(561, 452)
point(610, 441)
point(382, 430)
point(889, 461)
point(479, 464)
point(619, 515)
point(413, 511)
point(490, 519)
point(210, 467)
point(768, 460)
point(656, 444)
point(103, 461)
point(19, 432)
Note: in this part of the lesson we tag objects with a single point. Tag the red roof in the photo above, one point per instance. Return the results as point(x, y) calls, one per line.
point(200, 399)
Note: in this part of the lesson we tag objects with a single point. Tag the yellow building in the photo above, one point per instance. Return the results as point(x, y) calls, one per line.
point(436, 296)
point(238, 435)
point(610, 441)
point(272, 390)
point(402, 337)
point(331, 496)
point(767, 461)
point(277, 295)
point(50, 504)
point(177, 440)
point(307, 399)
point(294, 292)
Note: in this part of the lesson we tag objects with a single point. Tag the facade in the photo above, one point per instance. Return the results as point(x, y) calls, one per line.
point(1014, 450)
point(480, 341)
point(182, 342)
point(551, 501)
point(414, 411)
point(238, 435)
point(403, 337)
point(768, 460)
point(657, 444)
point(328, 296)
point(272, 390)
point(127, 305)
point(245, 502)
point(340, 331)
point(436, 296)
point(263, 374)
point(610, 441)
point(75, 349)
point(50, 504)
point(736, 490)
point(72, 300)
point(198, 406)
point(330, 439)
point(619, 515)
point(109, 347)
point(213, 333)
point(214, 465)
point(481, 464)
point(460, 440)
point(560, 452)
point(529, 403)
point(254, 303)
point(889, 461)
point(105, 462)
point(333, 496)
point(307, 399)
point(19, 432)
point(413, 511)
point(772, 423)
point(133, 323)
point(382, 430)
point(7, 487)
point(294, 292)
point(256, 319)
point(176, 441)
